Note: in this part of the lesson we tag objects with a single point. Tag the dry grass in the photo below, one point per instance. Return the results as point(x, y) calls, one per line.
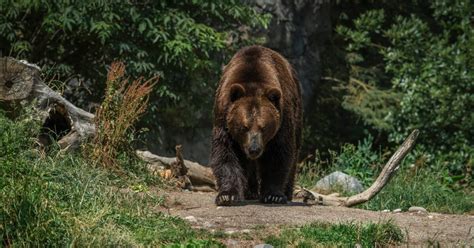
point(124, 103)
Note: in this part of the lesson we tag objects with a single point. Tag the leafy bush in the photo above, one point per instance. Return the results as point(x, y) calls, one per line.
point(185, 42)
point(412, 71)
point(60, 200)
point(123, 104)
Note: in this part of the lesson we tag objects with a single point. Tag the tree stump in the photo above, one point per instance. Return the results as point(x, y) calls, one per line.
point(20, 83)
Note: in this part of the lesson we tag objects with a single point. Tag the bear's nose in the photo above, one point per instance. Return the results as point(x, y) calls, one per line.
point(254, 150)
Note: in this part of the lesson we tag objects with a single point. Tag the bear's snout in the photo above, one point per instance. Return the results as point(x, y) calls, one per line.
point(255, 147)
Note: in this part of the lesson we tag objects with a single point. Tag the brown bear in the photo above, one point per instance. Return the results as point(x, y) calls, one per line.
point(257, 128)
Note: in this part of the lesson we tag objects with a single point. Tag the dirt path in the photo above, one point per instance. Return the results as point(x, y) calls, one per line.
point(198, 208)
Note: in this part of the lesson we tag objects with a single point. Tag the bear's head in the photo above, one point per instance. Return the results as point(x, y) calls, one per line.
point(253, 117)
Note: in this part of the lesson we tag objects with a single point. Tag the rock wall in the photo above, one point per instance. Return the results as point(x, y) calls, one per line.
point(299, 30)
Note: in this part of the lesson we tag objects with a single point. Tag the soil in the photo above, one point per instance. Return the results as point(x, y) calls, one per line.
point(256, 221)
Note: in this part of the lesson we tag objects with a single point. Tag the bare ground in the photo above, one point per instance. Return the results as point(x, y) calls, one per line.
point(252, 218)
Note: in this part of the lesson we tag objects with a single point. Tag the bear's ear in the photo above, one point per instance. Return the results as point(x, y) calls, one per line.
point(236, 91)
point(274, 96)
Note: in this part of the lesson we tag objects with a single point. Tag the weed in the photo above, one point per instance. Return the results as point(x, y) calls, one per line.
point(123, 104)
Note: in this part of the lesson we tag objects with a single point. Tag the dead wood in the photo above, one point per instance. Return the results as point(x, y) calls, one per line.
point(68, 124)
point(201, 177)
point(387, 173)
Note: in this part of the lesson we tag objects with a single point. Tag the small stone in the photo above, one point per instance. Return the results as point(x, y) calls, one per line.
point(190, 218)
point(263, 246)
point(415, 209)
point(385, 210)
point(230, 231)
point(218, 207)
point(398, 210)
point(245, 231)
point(208, 224)
point(430, 216)
point(232, 242)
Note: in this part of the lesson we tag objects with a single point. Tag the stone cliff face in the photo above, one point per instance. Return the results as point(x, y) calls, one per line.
point(299, 30)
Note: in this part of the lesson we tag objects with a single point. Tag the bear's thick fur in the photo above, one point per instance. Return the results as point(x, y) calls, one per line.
point(257, 128)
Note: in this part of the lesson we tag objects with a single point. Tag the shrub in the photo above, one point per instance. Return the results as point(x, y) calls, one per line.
point(123, 104)
point(412, 71)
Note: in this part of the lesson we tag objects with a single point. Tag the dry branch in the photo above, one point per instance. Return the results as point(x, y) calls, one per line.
point(387, 173)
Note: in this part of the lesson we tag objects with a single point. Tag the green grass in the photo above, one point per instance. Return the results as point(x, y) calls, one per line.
point(338, 235)
point(57, 199)
point(422, 179)
point(421, 188)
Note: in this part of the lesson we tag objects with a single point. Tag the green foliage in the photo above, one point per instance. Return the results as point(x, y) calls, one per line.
point(185, 42)
point(359, 161)
point(338, 235)
point(414, 70)
point(423, 179)
point(60, 200)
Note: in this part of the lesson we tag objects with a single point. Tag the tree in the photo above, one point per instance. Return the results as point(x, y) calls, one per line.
point(415, 71)
point(185, 42)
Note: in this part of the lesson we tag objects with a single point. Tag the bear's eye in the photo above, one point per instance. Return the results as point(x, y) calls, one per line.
point(244, 128)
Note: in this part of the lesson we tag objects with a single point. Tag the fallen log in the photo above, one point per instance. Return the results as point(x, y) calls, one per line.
point(387, 173)
point(201, 176)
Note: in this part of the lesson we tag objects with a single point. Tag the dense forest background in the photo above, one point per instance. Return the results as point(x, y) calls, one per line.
point(370, 70)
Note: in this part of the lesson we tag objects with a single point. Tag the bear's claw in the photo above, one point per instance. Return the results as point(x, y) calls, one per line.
point(274, 199)
point(226, 200)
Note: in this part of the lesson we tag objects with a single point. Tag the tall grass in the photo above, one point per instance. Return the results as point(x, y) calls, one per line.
point(58, 199)
point(422, 179)
point(123, 104)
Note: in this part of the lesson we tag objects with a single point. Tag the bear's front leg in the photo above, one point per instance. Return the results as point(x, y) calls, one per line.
point(225, 165)
point(275, 169)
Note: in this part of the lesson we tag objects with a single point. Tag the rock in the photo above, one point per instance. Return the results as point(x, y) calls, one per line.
point(386, 211)
point(398, 210)
point(190, 218)
point(263, 246)
point(208, 224)
point(230, 231)
point(340, 181)
point(245, 231)
point(232, 243)
point(415, 209)
point(299, 30)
